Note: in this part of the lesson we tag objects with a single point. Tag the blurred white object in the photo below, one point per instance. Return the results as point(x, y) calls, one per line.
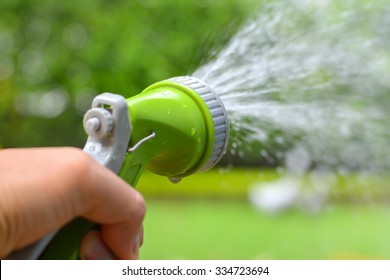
point(288, 193)
point(274, 197)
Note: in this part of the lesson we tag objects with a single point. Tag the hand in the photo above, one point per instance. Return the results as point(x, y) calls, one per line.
point(41, 189)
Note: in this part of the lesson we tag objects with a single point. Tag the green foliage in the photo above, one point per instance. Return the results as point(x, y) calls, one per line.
point(56, 55)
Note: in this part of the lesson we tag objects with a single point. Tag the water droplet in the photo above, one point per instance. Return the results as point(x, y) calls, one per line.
point(175, 180)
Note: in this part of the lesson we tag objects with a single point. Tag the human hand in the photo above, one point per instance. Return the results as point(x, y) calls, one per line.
point(42, 189)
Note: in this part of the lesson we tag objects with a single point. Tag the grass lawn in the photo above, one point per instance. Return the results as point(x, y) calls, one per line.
point(212, 229)
point(208, 216)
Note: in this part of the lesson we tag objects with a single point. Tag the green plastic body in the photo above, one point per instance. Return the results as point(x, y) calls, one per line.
point(183, 143)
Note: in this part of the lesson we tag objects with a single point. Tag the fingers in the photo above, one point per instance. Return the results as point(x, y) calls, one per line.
point(42, 189)
point(93, 246)
point(119, 210)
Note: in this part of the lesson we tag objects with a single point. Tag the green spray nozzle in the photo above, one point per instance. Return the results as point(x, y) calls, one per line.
point(189, 126)
point(173, 128)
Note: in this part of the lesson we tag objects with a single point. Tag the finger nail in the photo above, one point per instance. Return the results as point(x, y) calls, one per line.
point(95, 249)
point(135, 248)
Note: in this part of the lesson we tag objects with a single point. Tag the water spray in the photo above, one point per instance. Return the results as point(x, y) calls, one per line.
point(174, 128)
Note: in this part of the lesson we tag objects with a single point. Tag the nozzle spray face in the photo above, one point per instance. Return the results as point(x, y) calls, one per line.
point(217, 111)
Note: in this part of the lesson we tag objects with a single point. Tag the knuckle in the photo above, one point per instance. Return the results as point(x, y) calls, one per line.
point(139, 205)
point(78, 164)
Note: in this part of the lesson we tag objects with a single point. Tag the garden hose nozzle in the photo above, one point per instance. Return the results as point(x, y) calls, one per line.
point(173, 128)
point(187, 125)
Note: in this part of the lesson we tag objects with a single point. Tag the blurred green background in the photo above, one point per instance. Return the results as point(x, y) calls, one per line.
point(55, 56)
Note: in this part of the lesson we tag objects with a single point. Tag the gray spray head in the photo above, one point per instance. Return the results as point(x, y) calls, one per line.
point(218, 113)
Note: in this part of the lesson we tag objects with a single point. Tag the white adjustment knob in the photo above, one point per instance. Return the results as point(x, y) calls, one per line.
point(93, 124)
point(98, 123)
